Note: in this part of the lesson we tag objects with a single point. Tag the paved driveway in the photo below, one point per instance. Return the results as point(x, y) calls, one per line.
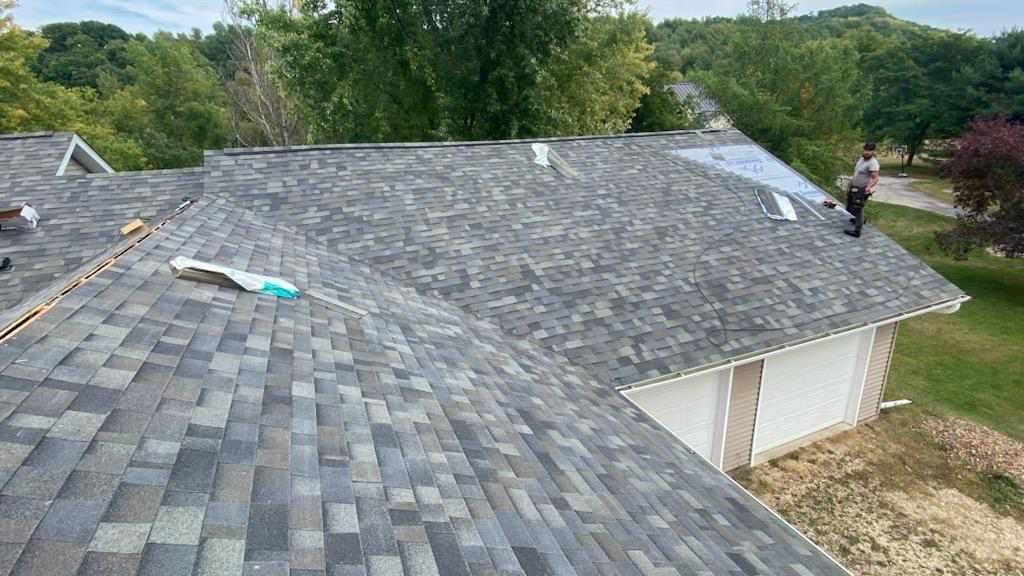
point(900, 191)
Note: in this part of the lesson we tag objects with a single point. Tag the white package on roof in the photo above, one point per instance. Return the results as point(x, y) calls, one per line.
point(244, 280)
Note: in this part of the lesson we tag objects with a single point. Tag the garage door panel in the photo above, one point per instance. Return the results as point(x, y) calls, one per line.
point(808, 389)
point(691, 409)
point(793, 426)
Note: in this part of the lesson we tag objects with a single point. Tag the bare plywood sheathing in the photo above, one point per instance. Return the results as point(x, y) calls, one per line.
point(134, 226)
point(30, 316)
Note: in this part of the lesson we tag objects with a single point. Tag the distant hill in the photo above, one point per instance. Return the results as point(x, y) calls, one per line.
point(859, 19)
point(686, 45)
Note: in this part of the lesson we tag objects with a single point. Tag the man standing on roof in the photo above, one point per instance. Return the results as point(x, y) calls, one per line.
point(862, 186)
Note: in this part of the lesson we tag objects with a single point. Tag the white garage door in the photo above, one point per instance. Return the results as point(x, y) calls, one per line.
point(692, 408)
point(810, 388)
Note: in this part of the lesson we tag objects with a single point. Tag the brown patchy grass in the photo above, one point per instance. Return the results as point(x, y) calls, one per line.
point(891, 499)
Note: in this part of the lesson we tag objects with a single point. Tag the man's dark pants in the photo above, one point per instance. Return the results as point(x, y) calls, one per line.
point(856, 198)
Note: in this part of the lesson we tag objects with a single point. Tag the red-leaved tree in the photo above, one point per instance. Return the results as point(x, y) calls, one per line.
point(987, 170)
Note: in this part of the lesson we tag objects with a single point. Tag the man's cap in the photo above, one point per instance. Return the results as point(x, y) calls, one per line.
point(869, 145)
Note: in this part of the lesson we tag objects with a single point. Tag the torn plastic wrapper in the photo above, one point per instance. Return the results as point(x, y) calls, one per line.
point(200, 271)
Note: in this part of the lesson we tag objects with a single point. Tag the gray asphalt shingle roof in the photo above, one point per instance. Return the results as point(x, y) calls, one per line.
point(694, 94)
point(159, 426)
point(34, 155)
point(80, 221)
point(606, 267)
point(465, 425)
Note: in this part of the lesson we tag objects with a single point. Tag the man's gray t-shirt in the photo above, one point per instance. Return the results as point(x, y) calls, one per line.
point(862, 172)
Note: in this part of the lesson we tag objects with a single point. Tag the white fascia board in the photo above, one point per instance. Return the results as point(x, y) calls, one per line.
point(947, 307)
point(81, 152)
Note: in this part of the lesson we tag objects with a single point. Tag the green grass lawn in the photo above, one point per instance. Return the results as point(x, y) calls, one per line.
point(921, 169)
point(941, 190)
point(971, 363)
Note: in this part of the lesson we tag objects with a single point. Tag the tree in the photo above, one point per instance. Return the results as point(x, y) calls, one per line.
point(595, 84)
point(178, 99)
point(77, 53)
point(987, 170)
point(217, 46)
point(29, 104)
point(765, 10)
point(799, 98)
point(379, 70)
point(261, 113)
point(1009, 53)
point(688, 45)
point(660, 109)
point(927, 87)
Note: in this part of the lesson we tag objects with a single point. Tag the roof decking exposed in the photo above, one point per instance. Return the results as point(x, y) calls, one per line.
point(80, 221)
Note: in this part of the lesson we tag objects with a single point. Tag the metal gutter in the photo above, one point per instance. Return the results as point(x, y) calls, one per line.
point(772, 351)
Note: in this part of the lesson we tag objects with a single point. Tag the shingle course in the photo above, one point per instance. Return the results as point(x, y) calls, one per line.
point(32, 156)
point(416, 440)
point(606, 268)
point(80, 221)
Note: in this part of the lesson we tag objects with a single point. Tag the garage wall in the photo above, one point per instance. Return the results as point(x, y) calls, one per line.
point(808, 390)
point(878, 372)
point(739, 434)
point(691, 408)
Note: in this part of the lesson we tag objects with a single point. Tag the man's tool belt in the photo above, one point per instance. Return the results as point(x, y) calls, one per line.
point(858, 196)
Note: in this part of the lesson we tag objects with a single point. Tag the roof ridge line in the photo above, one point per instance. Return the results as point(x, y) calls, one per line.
point(452, 144)
point(27, 135)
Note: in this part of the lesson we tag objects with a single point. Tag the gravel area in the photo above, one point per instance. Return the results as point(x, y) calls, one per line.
point(983, 449)
point(879, 499)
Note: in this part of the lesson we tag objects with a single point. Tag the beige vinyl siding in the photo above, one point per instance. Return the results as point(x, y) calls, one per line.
point(739, 432)
point(878, 372)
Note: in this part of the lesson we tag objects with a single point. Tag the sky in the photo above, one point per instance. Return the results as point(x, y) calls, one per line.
point(984, 17)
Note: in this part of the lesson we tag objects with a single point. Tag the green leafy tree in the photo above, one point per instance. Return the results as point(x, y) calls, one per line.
point(177, 100)
point(362, 69)
point(77, 53)
point(595, 84)
point(1009, 53)
point(29, 104)
point(928, 87)
point(376, 70)
point(659, 108)
point(689, 45)
point(217, 47)
point(800, 98)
